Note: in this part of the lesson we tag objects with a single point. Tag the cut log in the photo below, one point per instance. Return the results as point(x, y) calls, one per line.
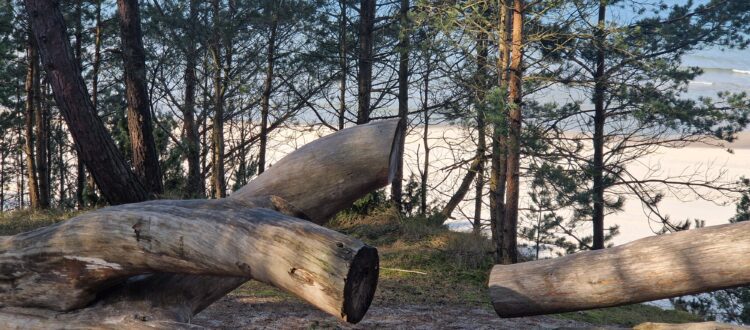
point(160, 262)
point(63, 267)
point(339, 168)
point(652, 268)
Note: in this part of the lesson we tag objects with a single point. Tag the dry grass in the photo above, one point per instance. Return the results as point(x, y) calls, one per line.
point(15, 222)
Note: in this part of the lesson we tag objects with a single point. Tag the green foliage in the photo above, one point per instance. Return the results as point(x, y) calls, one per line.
point(743, 205)
point(729, 305)
point(560, 209)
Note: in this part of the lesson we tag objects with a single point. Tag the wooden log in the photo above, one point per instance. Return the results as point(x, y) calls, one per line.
point(339, 168)
point(652, 268)
point(63, 267)
point(160, 262)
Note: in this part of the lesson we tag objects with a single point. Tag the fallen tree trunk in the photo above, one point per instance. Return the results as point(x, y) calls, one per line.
point(652, 268)
point(160, 262)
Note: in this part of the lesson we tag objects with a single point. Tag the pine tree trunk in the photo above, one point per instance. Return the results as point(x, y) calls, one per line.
point(2, 179)
point(41, 123)
point(480, 85)
point(145, 157)
point(425, 137)
point(342, 63)
point(19, 163)
point(403, 97)
point(499, 143)
point(364, 76)
point(217, 136)
point(599, 118)
point(117, 182)
point(514, 138)
point(62, 166)
point(189, 128)
point(266, 99)
point(32, 85)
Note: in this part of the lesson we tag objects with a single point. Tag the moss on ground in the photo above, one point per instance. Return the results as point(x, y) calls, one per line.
point(631, 315)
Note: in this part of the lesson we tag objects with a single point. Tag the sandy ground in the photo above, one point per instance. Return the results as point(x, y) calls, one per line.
point(245, 312)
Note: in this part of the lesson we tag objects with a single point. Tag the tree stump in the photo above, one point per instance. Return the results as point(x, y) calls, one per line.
point(156, 264)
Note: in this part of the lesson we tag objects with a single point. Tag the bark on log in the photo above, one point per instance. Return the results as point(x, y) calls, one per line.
point(332, 172)
point(652, 268)
point(151, 264)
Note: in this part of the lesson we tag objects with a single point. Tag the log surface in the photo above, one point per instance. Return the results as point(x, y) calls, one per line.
point(327, 175)
point(63, 267)
point(652, 268)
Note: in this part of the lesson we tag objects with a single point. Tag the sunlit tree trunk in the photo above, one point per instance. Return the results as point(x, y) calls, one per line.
point(499, 137)
point(510, 253)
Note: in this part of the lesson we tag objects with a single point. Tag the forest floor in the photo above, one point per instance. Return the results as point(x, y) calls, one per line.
point(430, 277)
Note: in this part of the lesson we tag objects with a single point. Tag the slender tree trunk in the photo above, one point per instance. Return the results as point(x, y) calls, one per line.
point(99, 152)
point(145, 157)
point(510, 253)
point(62, 168)
point(81, 169)
point(425, 137)
point(499, 143)
point(19, 163)
point(41, 116)
point(342, 64)
point(480, 85)
point(32, 85)
point(217, 136)
point(2, 179)
point(364, 76)
point(599, 118)
point(266, 99)
point(189, 128)
point(20, 180)
point(403, 98)
point(460, 193)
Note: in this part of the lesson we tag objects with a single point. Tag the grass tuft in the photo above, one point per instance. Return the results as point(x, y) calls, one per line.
point(631, 315)
point(20, 221)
